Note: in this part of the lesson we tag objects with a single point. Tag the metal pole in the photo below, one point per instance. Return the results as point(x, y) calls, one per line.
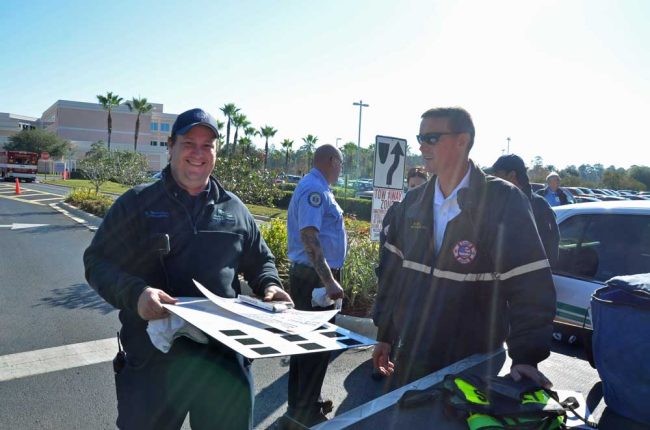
point(337, 141)
point(361, 106)
point(508, 151)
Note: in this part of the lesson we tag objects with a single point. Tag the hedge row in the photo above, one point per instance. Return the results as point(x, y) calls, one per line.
point(361, 208)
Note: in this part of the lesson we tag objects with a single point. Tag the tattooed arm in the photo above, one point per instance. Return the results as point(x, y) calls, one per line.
point(309, 239)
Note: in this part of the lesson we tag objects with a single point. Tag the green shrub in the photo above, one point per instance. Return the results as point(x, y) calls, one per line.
point(244, 175)
point(360, 208)
point(284, 200)
point(358, 278)
point(88, 200)
point(274, 233)
point(288, 186)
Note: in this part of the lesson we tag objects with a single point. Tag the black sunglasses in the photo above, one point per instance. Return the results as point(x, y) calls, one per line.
point(431, 138)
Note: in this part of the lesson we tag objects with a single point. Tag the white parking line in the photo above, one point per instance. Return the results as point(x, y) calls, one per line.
point(23, 364)
point(44, 200)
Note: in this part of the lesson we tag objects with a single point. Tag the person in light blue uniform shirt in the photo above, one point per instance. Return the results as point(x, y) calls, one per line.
point(317, 248)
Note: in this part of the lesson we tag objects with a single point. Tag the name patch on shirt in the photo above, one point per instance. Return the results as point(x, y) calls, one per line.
point(156, 214)
point(223, 217)
point(417, 225)
point(464, 252)
point(314, 199)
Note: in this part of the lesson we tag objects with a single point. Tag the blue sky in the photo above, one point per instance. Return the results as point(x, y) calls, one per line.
point(566, 80)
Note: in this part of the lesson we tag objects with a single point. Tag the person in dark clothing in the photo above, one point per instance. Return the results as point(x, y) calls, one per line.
point(466, 269)
point(153, 242)
point(512, 169)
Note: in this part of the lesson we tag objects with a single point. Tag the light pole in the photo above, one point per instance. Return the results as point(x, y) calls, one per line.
point(361, 106)
point(337, 141)
point(508, 150)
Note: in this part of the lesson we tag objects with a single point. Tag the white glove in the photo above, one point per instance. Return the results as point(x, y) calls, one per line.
point(164, 331)
point(319, 298)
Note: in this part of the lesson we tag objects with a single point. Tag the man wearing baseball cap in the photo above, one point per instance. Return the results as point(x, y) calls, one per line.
point(512, 169)
point(153, 242)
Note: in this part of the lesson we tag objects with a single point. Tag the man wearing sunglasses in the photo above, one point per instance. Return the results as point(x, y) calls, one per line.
point(465, 268)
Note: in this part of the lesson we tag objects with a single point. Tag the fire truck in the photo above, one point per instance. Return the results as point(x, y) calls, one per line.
point(18, 164)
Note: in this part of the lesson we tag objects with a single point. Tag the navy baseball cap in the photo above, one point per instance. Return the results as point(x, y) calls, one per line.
point(508, 163)
point(188, 119)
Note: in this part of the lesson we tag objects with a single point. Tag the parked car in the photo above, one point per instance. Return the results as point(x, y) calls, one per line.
point(293, 179)
point(597, 242)
point(364, 190)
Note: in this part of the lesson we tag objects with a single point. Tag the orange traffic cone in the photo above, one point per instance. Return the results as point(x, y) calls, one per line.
point(17, 186)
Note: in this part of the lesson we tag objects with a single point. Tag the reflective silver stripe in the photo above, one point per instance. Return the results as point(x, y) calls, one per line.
point(393, 249)
point(416, 266)
point(477, 277)
point(526, 268)
point(386, 229)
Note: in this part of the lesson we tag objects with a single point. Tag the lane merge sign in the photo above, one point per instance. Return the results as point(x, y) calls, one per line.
point(390, 160)
point(388, 182)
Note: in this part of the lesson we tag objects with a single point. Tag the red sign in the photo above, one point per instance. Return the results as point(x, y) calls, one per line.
point(45, 155)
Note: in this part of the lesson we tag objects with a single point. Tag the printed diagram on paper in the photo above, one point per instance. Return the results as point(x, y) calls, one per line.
point(256, 333)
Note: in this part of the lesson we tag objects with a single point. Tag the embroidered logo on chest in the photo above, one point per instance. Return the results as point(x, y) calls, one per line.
point(464, 252)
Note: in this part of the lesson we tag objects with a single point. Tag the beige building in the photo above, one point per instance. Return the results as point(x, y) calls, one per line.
point(86, 123)
point(11, 123)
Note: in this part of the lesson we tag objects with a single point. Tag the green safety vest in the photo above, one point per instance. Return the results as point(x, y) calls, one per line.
point(497, 404)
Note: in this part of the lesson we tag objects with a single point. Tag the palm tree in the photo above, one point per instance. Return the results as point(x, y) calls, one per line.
point(251, 131)
point(140, 106)
point(245, 144)
point(220, 125)
point(229, 110)
point(239, 120)
point(108, 102)
point(286, 144)
point(267, 131)
point(310, 144)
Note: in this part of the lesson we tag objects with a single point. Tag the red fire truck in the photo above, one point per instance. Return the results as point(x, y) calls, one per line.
point(18, 164)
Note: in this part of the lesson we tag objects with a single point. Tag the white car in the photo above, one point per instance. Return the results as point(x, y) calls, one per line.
point(598, 241)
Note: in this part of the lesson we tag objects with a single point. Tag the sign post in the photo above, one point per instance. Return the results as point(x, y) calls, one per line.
point(388, 183)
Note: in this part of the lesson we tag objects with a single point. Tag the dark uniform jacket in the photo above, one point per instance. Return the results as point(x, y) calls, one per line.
point(211, 244)
point(490, 282)
point(546, 223)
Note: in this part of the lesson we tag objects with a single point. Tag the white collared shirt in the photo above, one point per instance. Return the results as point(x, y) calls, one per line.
point(445, 209)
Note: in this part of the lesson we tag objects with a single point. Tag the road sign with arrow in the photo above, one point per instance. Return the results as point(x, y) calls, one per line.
point(390, 160)
point(390, 157)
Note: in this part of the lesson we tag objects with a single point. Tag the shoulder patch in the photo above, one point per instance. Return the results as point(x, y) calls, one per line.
point(315, 199)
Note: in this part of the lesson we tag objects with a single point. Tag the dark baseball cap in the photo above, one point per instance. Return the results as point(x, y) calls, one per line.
point(508, 163)
point(188, 119)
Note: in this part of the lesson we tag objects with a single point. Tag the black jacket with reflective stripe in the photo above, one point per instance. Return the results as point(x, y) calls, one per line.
point(490, 282)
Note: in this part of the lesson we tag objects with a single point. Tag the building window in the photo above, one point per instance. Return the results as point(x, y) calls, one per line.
point(163, 143)
point(164, 126)
point(154, 126)
point(153, 143)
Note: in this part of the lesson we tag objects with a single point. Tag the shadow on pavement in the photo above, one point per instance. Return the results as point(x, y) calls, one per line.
point(270, 399)
point(77, 296)
point(360, 387)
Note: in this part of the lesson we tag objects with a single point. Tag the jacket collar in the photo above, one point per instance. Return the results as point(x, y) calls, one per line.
point(468, 198)
point(217, 194)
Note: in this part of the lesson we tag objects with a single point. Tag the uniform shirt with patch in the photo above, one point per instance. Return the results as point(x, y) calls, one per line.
point(313, 205)
point(445, 209)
